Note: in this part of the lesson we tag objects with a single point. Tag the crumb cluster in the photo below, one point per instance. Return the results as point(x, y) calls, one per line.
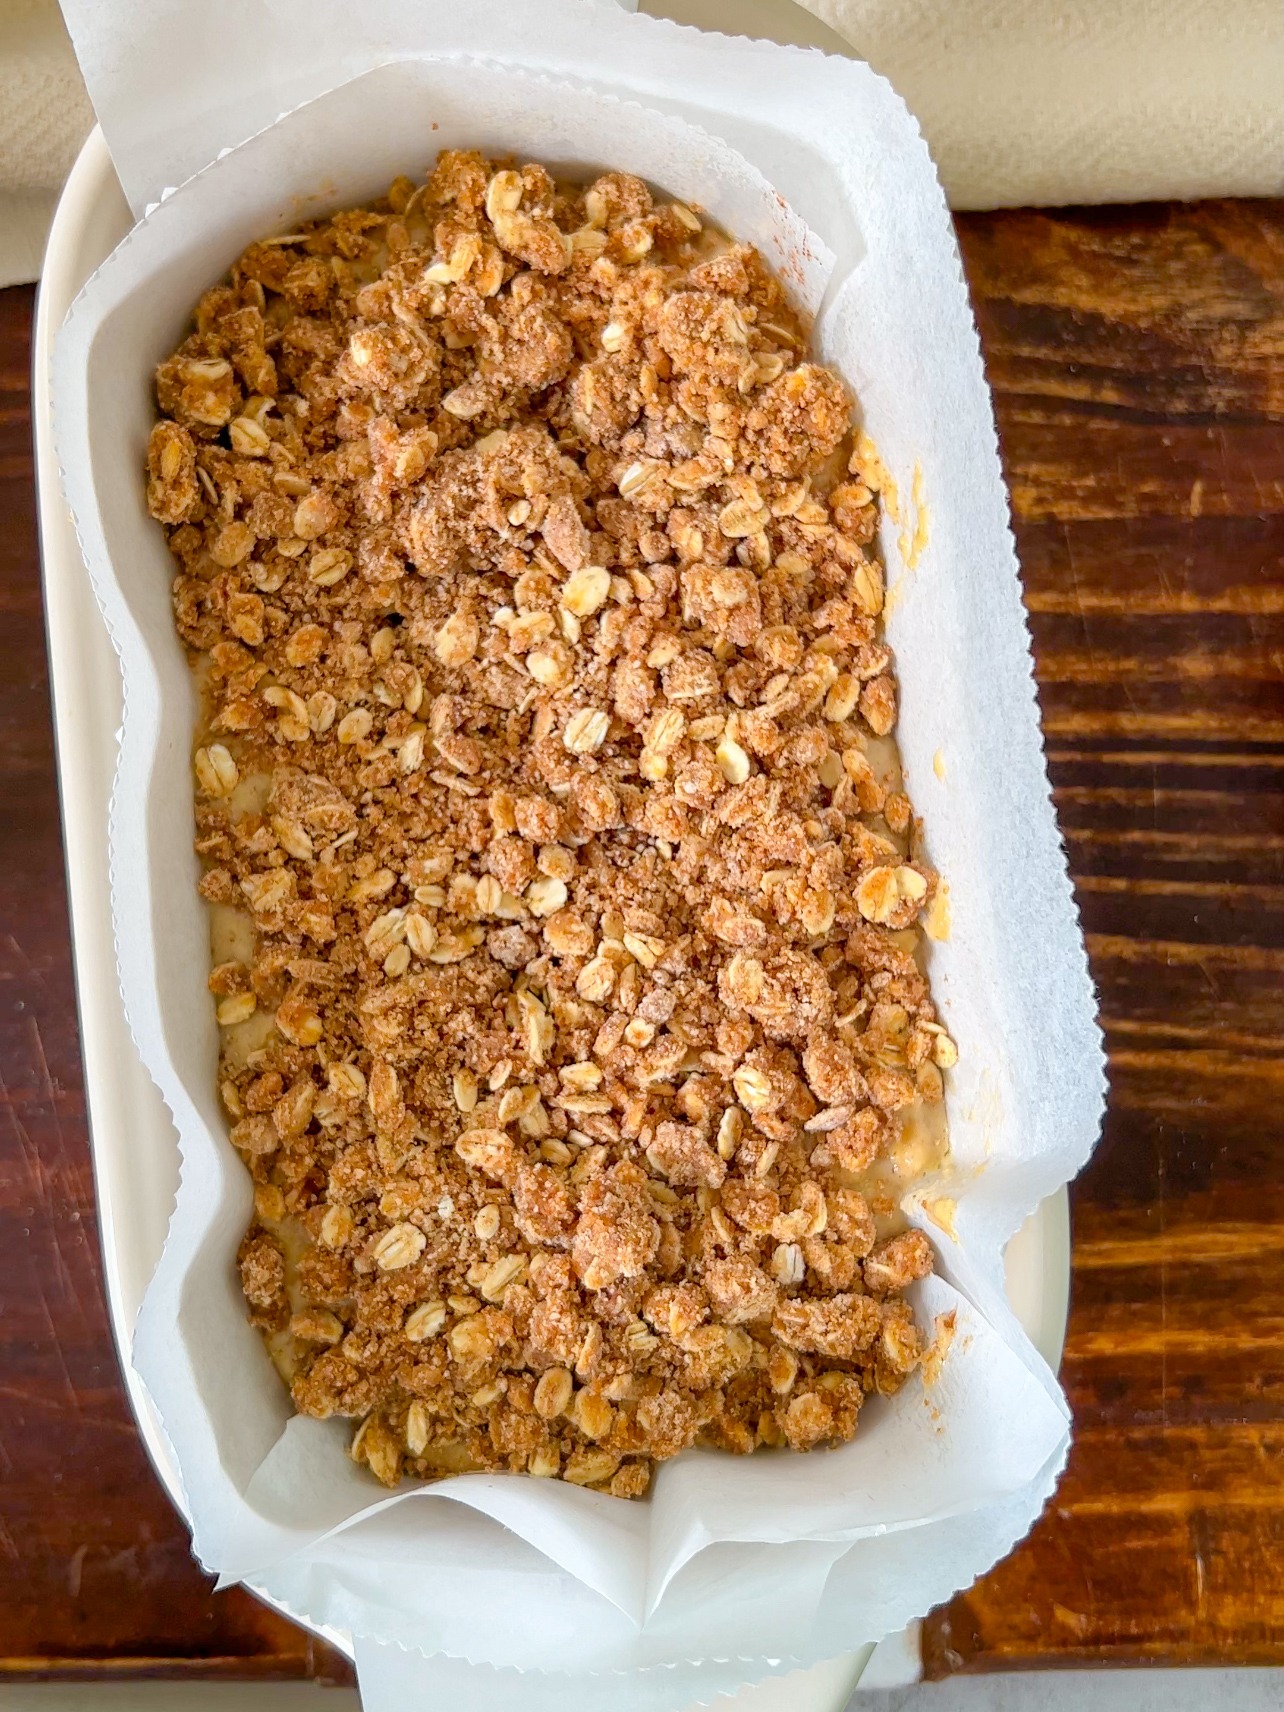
point(526, 561)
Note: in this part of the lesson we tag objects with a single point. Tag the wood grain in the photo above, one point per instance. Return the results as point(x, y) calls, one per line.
point(96, 1571)
point(1137, 357)
point(1137, 360)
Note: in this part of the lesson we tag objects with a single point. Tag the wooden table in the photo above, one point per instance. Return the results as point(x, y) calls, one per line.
point(1137, 357)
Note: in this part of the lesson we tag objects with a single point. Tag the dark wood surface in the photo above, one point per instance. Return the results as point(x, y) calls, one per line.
point(1137, 357)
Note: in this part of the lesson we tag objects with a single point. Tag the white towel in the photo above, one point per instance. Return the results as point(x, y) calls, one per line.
point(44, 117)
point(1063, 101)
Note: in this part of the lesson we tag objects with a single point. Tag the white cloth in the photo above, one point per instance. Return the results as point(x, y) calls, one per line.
point(1063, 101)
point(44, 117)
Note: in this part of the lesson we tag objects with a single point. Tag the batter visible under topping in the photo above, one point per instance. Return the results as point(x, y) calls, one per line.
point(565, 894)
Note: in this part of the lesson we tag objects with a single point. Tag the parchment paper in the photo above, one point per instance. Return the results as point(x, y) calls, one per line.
point(758, 1563)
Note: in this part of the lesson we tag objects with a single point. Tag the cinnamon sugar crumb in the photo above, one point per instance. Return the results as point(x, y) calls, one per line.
point(538, 625)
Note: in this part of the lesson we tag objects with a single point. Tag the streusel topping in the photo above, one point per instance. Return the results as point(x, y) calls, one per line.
point(566, 912)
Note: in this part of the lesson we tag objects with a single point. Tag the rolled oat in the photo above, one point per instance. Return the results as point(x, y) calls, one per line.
point(537, 620)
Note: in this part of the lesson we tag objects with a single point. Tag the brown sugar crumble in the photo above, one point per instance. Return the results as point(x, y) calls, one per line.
point(565, 908)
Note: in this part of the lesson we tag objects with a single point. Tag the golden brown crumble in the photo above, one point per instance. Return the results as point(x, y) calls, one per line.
point(527, 566)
